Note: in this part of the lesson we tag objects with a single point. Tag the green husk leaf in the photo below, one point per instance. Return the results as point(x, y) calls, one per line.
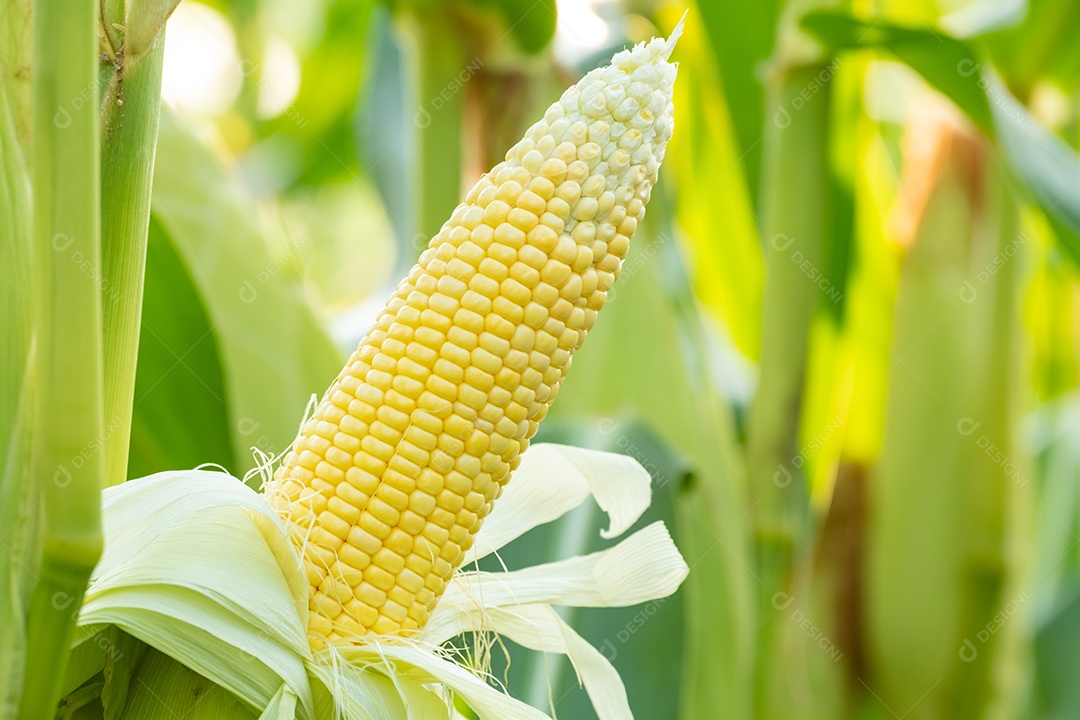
point(167, 689)
point(123, 653)
point(282, 706)
point(87, 658)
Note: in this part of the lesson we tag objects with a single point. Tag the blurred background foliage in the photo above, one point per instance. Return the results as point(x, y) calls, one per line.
point(844, 344)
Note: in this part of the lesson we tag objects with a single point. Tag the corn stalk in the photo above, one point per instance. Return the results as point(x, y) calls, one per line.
point(67, 465)
point(87, 300)
point(795, 176)
point(435, 61)
point(130, 112)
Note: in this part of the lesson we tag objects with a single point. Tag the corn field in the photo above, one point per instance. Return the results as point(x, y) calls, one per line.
point(288, 292)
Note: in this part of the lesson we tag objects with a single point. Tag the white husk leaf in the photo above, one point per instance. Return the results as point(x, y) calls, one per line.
point(426, 666)
point(553, 480)
point(200, 567)
point(539, 627)
point(643, 567)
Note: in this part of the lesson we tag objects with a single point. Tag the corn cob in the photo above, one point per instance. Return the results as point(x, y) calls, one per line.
point(391, 477)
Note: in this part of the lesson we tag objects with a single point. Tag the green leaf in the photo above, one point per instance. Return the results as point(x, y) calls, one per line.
point(76, 701)
point(87, 657)
point(838, 259)
point(274, 354)
point(16, 22)
point(317, 125)
point(386, 125)
point(704, 160)
point(282, 706)
point(1055, 658)
point(742, 35)
point(981, 17)
point(1045, 45)
point(531, 22)
point(123, 654)
point(1047, 166)
point(947, 63)
point(180, 417)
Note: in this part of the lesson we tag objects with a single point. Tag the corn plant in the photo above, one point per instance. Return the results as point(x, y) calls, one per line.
point(838, 361)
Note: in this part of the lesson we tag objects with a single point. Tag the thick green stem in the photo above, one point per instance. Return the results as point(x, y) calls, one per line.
point(794, 228)
point(130, 126)
point(67, 462)
point(440, 72)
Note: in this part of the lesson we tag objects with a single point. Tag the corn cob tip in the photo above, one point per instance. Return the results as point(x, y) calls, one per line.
point(634, 92)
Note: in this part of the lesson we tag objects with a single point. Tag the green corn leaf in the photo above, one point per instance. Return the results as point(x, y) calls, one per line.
point(947, 63)
point(180, 366)
point(79, 701)
point(386, 125)
point(123, 656)
point(1047, 166)
point(742, 35)
point(1056, 640)
point(16, 18)
point(282, 706)
point(530, 22)
point(1044, 45)
point(704, 159)
point(268, 336)
point(87, 657)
